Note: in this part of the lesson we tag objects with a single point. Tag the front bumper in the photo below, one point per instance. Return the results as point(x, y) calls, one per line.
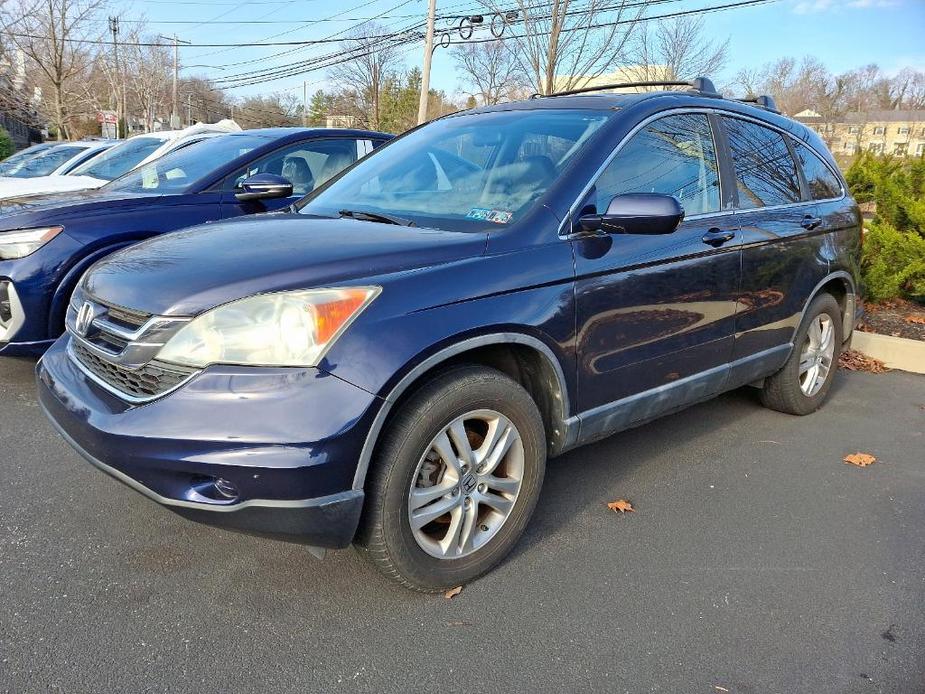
point(285, 440)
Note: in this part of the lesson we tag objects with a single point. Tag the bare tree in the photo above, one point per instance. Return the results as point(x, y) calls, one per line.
point(908, 90)
point(568, 44)
point(491, 69)
point(49, 32)
point(373, 62)
point(149, 74)
point(676, 49)
point(274, 110)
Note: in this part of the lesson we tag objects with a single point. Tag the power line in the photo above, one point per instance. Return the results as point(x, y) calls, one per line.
point(315, 63)
point(291, 51)
point(603, 25)
point(152, 44)
point(269, 70)
point(328, 60)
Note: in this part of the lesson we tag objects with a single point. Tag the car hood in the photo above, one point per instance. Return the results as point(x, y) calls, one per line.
point(187, 272)
point(17, 187)
point(53, 208)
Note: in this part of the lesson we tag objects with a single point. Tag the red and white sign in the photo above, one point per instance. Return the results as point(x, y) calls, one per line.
point(107, 117)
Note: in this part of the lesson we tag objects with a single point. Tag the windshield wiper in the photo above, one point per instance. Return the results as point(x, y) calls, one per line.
point(376, 217)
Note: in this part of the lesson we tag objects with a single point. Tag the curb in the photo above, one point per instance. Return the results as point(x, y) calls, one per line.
point(895, 352)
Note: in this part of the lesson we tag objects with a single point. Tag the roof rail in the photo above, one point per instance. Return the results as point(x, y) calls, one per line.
point(764, 101)
point(702, 85)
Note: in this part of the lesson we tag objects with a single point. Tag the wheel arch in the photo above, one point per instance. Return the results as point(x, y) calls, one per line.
point(841, 285)
point(523, 357)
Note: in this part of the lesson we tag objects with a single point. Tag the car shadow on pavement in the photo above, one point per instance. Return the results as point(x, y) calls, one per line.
point(590, 476)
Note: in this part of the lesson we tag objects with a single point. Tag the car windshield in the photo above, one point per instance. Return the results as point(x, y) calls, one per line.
point(45, 163)
point(119, 159)
point(466, 172)
point(180, 170)
point(15, 160)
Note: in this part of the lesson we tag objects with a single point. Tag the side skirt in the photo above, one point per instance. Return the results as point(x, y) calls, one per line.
point(635, 410)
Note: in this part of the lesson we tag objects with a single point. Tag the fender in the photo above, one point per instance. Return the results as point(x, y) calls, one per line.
point(65, 288)
point(850, 301)
point(569, 424)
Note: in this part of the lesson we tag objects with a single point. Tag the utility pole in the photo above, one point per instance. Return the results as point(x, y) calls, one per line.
point(428, 57)
point(119, 79)
point(189, 109)
point(304, 103)
point(175, 113)
point(176, 74)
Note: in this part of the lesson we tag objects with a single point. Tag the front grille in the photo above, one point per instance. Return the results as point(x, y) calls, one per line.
point(148, 382)
point(126, 317)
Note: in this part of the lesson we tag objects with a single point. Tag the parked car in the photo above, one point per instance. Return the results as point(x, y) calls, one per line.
point(57, 160)
point(391, 363)
point(123, 156)
point(14, 160)
point(47, 242)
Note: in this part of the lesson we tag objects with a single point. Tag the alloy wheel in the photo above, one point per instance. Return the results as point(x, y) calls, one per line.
point(466, 484)
point(817, 355)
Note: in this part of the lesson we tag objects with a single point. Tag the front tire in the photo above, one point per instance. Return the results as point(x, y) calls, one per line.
point(454, 481)
point(803, 383)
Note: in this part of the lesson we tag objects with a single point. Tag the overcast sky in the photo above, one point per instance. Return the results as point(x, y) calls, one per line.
point(842, 33)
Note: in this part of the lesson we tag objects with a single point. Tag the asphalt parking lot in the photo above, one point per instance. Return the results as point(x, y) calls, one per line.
point(757, 561)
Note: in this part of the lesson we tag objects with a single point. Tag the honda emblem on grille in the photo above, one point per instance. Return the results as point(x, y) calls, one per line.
point(84, 319)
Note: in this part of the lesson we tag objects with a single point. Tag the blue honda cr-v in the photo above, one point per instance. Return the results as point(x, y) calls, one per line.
point(48, 241)
point(391, 363)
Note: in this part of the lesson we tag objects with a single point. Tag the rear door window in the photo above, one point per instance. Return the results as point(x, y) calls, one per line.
point(764, 170)
point(674, 155)
point(822, 183)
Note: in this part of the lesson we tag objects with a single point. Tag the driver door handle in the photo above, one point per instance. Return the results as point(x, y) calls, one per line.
point(809, 222)
point(717, 237)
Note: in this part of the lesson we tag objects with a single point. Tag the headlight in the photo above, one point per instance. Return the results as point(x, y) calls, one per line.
point(286, 329)
point(18, 244)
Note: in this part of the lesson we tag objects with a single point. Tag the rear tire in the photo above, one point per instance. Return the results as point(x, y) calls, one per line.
point(801, 386)
point(469, 443)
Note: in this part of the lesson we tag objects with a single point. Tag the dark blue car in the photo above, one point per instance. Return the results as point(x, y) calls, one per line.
point(391, 362)
point(47, 242)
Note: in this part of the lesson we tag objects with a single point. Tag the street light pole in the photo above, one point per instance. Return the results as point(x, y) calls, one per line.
point(428, 57)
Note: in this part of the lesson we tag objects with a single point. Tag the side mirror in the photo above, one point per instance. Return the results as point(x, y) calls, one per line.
point(636, 213)
point(264, 186)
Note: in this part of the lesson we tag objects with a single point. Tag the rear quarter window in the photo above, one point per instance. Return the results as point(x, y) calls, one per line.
point(822, 183)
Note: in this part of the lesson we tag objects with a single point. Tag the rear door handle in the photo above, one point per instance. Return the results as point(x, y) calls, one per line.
point(809, 222)
point(717, 237)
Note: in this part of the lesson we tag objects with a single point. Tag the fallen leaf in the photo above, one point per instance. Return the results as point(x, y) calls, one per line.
point(913, 318)
point(453, 592)
point(621, 505)
point(856, 361)
point(859, 459)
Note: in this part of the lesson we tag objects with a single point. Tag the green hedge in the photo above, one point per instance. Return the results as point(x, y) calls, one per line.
point(6, 144)
point(893, 261)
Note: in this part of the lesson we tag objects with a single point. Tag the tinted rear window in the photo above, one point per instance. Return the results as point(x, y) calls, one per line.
point(765, 172)
point(822, 183)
